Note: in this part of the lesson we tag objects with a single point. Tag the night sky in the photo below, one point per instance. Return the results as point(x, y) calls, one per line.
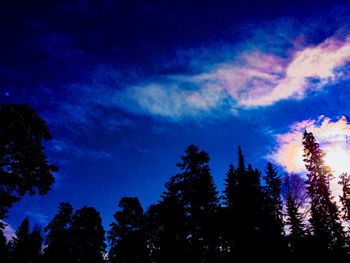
point(126, 86)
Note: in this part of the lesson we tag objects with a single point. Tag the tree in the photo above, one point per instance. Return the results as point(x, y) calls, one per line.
point(167, 231)
point(26, 245)
point(324, 219)
point(230, 187)
point(23, 164)
point(345, 198)
point(126, 237)
point(273, 207)
point(58, 236)
point(87, 236)
point(246, 211)
point(227, 215)
point(188, 210)
point(294, 195)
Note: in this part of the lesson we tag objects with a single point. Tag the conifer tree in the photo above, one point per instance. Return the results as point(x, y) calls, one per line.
point(230, 187)
point(274, 227)
point(58, 236)
point(294, 195)
point(325, 220)
point(192, 193)
point(126, 237)
point(345, 197)
point(167, 229)
point(244, 194)
point(87, 236)
point(227, 215)
point(26, 245)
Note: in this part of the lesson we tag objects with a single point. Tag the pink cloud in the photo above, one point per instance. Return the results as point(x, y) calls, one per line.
point(252, 79)
point(319, 62)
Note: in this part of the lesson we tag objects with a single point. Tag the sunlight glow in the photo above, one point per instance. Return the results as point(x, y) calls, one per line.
point(338, 159)
point(333, 137)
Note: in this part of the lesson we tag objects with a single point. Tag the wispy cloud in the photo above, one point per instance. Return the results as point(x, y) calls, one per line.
point(252, 79)
point(62, 146)
point(317, 64)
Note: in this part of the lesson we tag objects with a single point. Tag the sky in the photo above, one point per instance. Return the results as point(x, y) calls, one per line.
point(126, 86)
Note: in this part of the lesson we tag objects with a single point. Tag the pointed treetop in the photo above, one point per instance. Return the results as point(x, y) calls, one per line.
point(241, 165)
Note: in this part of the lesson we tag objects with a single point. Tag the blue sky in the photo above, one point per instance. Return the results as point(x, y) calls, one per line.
point(125, 86)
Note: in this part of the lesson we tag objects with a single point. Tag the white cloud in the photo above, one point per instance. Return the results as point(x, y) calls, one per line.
point(8, 231)
point(333, 137)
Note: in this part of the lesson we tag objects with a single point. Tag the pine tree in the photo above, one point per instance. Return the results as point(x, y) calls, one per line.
point(325, 221)
point(294, 195)
point(227, 215)
point(244, 200)
point(273, 214)
point(35, 245)
point(345, 198)
point(230, 187)
point(192, 194)
point(58, 236)
point(87, 236)
point(26, 245)
point(20, 243)
point(126, 236)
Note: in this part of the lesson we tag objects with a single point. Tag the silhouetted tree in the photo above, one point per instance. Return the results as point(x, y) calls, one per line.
point(325, 221)
point(126, 236)
point(58, 235)
point(87, 236)
point(227, 213)
point(273, 214)
point(23, 164)
point(167, 233)
point(188, 209)
point(345, 197)
point(230, 187)
point(26, 245)
point(294, 194)
point(247, 210)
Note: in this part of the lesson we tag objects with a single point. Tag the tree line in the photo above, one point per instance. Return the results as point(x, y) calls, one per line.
point(257, 214)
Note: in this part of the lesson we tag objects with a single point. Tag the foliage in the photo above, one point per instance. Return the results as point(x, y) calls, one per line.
point(23, 165)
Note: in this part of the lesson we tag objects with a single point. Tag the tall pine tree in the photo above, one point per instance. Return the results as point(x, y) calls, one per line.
point(243, 198)
point(273, 214)
point(26, 246)
point(58, 235)
point(192, 194)
point(127, 237)
point(87, 236)
point(325, 221)
point(345, 197)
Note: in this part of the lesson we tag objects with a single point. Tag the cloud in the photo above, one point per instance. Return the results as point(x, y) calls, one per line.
point(333, 137)
point(173, 100)
point(253, 79)
point(318, 63)
point(8, 231)
point(63, 146)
